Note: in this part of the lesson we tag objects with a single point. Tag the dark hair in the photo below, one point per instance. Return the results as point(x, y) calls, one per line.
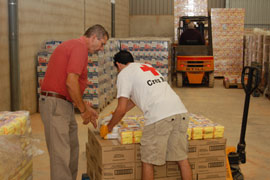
point(97, 30)
point(123, 57)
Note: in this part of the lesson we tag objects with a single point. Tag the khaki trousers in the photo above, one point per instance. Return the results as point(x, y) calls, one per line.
point(61, 132)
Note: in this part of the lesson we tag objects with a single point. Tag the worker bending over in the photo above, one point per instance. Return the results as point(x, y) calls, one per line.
point(62, 88)
point(191, 36)
point(164, 135)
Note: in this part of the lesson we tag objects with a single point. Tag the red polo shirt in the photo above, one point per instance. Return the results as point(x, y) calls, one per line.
point(69, 57)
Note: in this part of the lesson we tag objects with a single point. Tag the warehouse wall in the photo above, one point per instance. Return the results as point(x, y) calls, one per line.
point(98, 12)
point(42, 20)
point(151, 18)
point(155, 17)
point(122, 18)
point(257, 12)
point(151, 26)
point(4, 58)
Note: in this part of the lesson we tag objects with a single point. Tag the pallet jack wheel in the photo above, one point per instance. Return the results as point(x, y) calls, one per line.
point(236, 173)
point(211, 80)
point(179, 80)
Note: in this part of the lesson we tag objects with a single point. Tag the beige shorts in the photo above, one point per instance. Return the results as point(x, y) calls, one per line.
point(165, 140)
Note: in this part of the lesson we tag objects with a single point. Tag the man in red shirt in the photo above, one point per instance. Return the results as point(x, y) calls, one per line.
point(63, 86)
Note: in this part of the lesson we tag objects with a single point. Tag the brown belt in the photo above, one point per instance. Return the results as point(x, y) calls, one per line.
point(54, 95)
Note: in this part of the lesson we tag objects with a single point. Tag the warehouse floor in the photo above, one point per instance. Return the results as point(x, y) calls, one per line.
point(224, 106)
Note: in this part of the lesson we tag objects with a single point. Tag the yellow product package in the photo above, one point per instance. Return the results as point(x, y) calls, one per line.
point(125, 140)
point(9, 129)
point(125, 135)
point(189, 133)
point(1, 130)
point(137, 134)
point(218, 131)
point(197, 132)
point(208, 132)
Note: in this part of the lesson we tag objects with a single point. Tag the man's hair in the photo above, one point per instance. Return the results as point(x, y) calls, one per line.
point(123, 57)
point(191, 25)
point(97, 30)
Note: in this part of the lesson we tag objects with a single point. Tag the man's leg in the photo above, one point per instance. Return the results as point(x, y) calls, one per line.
point(56, 117)
point(74, 147)
point(186, 172)
point(147, 171)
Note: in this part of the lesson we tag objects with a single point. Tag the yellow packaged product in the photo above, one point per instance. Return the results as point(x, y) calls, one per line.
point(218, 131)
point(1, 130)
point(130, 123)
point(9, 129)
point(125, 140)
point(17, 126)
point(125, 135)
point(137, 134)
point(197, 132)
point(208, 132)
point(189, 133)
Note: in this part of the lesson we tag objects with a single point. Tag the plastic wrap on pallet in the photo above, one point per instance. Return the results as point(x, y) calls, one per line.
point(16, 147)
point(101, 87)
point(154, 51)
point(227, 33)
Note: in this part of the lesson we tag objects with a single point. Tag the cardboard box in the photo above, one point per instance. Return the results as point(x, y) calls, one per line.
point(137, 153)
point(121, 171)
point(109, 151)
point(211, 164)
point(171, 178)
point(159, 171)
point(211, 147)
point(212, 176)
point(193, 148)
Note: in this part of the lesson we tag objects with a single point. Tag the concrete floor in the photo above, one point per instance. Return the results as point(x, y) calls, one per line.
point(224, 106)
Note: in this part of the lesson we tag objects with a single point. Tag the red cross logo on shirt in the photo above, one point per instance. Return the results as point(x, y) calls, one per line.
point(147, 68)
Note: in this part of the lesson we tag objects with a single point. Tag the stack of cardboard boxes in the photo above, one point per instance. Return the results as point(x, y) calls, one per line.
point(110, 160)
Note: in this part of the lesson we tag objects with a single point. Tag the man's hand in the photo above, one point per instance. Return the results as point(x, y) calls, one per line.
point(89, 115)
point(103, 131)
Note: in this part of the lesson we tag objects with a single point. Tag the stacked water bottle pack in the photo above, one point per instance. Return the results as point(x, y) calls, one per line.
point(101, 84)
point(154, 51)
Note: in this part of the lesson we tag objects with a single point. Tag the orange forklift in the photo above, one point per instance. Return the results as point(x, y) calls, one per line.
point(192, 63)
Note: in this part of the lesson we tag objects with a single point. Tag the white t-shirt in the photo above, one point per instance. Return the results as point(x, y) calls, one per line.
point(148, 89)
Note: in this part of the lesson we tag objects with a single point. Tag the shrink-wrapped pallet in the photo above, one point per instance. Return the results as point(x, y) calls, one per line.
point(227, 37)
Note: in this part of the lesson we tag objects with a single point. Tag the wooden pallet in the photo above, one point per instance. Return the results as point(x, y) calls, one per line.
point(228, 85)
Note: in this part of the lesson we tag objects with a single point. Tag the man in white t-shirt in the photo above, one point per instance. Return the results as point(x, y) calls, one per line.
point(164, 135)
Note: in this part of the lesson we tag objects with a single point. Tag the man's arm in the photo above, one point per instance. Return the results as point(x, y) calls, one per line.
point(119, 112)
point(73, 87)
point(130, 105)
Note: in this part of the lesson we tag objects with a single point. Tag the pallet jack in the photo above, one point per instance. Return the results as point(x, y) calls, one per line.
point(234, 158)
